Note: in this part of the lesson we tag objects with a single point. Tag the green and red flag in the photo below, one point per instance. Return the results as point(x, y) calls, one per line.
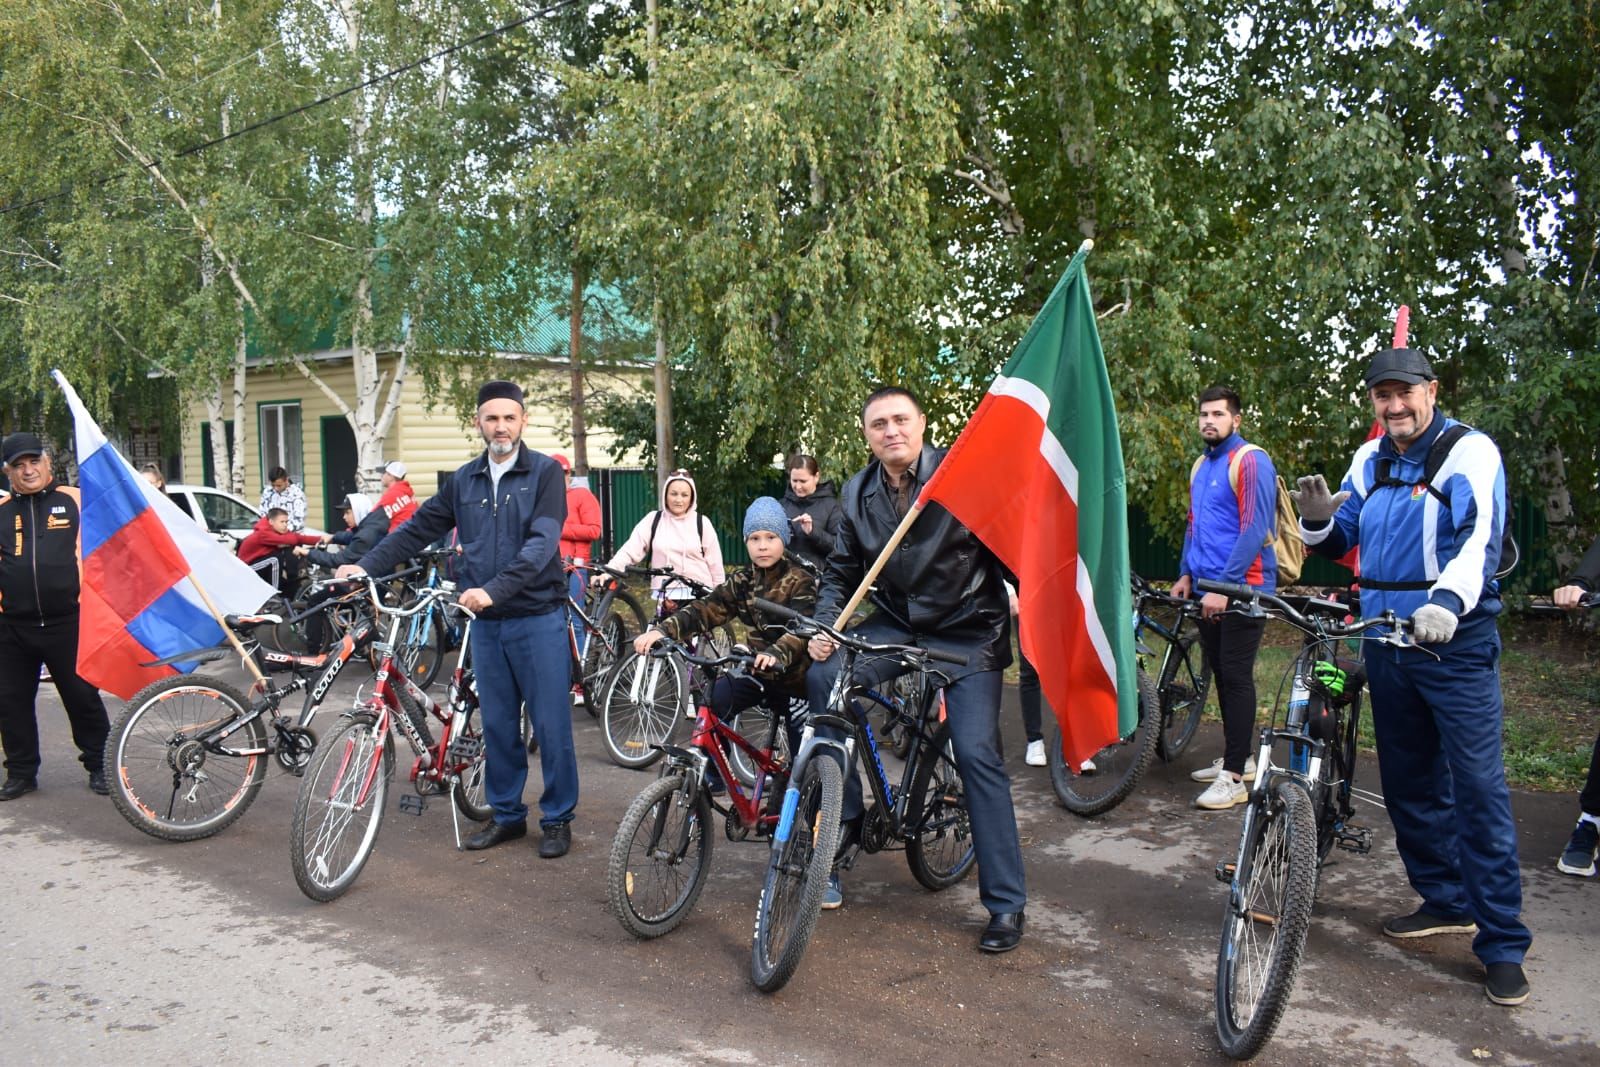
point(1037, 475)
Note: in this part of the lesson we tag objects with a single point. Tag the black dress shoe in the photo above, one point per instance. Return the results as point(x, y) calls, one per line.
point(557, 839)
point(97, 783)
point(1003, 933)
point(494, 834)
point(15, 787)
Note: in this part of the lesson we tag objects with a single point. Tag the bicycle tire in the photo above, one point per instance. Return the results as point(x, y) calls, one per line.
point(939, 848)
point(653, 881)
point(422, 658)
point(631, 725)
point(469, 792)
point(602, 652)
point(756, 725)
point(1117, 767)
point(151, 769)
point(334, 828)
point(797, 876)
point(1182, 689)
point(1273, 891)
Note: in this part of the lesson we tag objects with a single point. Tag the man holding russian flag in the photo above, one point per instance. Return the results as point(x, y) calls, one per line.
point(39, 550)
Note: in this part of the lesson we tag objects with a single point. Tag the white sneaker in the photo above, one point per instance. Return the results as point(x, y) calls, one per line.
point(1035, 756)
point(1223, 793)
point(1087, 767)
point(577, 699)
point(1206, 774)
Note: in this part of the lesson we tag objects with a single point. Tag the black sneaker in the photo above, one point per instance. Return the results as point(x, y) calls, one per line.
point(1578, 857)
point(97, 783)
point(1421, 924)
point(1506, 984)
point(15, 787)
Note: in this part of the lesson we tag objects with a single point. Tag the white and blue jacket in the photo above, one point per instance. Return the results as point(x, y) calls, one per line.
point(1416, 550)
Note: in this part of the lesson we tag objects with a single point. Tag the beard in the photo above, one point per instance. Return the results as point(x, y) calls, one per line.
point(501, 449)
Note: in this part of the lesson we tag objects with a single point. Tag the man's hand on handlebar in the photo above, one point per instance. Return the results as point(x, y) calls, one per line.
point(820, 647)
point(1212, 605)
point(475, 599)
point(347, 571)
point(1568, 597)
point(1182, 588)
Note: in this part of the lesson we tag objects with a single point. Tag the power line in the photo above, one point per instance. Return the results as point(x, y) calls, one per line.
point(272, 120)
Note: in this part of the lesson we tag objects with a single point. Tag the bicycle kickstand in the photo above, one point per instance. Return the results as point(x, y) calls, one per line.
point(455, 824)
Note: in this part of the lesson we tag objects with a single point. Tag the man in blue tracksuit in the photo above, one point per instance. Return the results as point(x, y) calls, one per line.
point(508, 506)
point(1429, 553)
point(1233, 497)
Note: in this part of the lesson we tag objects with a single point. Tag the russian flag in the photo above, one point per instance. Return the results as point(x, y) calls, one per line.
point(138, 548)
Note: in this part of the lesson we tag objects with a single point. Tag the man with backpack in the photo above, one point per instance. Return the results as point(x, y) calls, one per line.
point(1426, 502)
point(1232, 508)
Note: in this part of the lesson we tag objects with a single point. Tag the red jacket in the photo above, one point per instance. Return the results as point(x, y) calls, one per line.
point(582, 525)
point(398, 502)
point(264, 541)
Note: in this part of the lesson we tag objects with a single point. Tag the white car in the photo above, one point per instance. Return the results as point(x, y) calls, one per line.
point(228, 517)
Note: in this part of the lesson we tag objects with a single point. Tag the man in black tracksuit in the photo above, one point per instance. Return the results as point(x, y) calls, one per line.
point(39, 573)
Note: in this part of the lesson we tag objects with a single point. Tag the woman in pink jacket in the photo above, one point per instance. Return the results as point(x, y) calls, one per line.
point(675, 536)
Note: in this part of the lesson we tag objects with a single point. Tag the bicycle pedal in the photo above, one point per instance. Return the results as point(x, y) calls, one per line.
point(1357, 839)
point(1225, 871)
point(411, 804)
point(465, 749)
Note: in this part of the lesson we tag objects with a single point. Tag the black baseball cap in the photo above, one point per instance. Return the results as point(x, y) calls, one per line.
point(18, 445)
point(1399, 365)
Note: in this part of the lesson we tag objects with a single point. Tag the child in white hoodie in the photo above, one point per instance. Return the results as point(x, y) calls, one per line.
point(676, 536)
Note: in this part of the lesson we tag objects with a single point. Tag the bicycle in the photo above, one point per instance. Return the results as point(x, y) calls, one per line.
point(342, 799)
point(1184, 680)
point(610, 621)
point(170, 752)
point(1296, 814)
point(431, 634)
point(926, 814)
point(661, 853)
point(644, 697)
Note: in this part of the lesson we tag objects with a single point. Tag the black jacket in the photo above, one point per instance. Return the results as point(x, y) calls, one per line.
point(942, 585)
point(1588, 573)
point(510, 538)
point(355, 543)
point(823, 507)
point(39, 535)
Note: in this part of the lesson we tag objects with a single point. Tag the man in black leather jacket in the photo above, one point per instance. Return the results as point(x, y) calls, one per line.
point(942, 589)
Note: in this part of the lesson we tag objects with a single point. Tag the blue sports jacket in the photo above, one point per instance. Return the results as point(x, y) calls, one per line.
point(1226, 539)
point(1406, 535)
point(510, 538)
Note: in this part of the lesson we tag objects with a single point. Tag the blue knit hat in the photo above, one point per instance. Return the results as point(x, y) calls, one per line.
point(765, 513)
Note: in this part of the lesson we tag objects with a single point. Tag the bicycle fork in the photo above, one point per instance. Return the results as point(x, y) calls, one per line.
point(810, 743)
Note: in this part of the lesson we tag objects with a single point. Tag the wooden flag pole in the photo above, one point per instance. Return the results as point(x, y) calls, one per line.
point(233, 638)
point(877, 565)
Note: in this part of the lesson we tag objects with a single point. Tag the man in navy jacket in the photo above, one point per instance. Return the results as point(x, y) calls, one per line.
point(1430, 553)
point(508, 506)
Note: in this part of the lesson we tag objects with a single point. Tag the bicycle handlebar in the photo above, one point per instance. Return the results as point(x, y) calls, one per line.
point(667, 646)
point(807, 623)
point(699, 588)
point(1316, 615)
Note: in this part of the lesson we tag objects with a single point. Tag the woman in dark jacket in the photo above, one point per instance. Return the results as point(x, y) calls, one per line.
point(813, 509)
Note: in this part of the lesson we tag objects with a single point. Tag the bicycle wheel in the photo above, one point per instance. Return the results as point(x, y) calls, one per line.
point(604, 649)
point(1337, 777)
point(644, 698)
point(340, 808)
point(1264, 926)
point(423, 648)
point(1184, 684)
point(797, 875)
point(1099, 785)
point(762, 729)
point(163, 780)
point(659, 858)
point(939, 847)
point(469, 794)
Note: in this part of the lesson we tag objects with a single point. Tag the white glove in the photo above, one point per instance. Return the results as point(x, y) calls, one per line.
point(1432, 625)
point(1315, 503)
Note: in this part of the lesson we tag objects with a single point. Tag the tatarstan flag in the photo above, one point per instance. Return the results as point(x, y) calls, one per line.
point(1037, 475)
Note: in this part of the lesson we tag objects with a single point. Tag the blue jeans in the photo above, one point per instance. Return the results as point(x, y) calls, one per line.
point(1438, 726)
point(525, 661)
point(576, 581)
point(972, 707)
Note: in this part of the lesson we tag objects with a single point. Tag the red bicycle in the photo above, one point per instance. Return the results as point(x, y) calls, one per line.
point(346, 786)
point(662, 851)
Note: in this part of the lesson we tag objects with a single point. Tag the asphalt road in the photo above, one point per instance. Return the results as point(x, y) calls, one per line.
point(119, 946)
